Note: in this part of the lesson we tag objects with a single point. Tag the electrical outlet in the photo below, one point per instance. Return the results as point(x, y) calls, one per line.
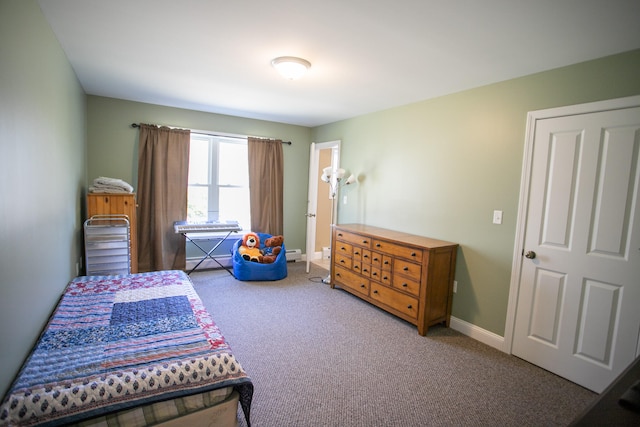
point(455, 286)
point(497, 217)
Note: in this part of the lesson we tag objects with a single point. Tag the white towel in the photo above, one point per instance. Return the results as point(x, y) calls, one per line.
point(105, 184)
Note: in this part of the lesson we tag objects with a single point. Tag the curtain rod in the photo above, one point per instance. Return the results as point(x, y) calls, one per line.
point(136, 125)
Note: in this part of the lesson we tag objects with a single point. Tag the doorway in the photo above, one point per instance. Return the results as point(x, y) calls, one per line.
point(319, 203)
point(573, 304)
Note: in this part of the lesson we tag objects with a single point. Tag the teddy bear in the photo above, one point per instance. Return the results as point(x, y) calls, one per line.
point(272, 247)
point(250, 248)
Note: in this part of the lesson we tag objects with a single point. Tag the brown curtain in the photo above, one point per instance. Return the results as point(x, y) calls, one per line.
point(163, 174)
point(266, 166)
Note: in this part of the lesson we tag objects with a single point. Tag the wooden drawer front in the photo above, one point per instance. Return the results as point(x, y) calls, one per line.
point(406, 284)
point(387, 261)
point(344, 249)
point(385, 277)
point(357, 266)
point(352, 281)
point(366, 269)
point(397, 300)
point(366, 256)
point(356, 239)
point(398, 250)
point(409, 269)
point(343, 260)
point(357, 253)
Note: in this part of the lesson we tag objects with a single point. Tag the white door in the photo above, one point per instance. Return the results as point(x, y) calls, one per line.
point(578, 303)
point(312, 199)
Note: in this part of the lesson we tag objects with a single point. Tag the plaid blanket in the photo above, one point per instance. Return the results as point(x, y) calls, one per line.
point(115, 342)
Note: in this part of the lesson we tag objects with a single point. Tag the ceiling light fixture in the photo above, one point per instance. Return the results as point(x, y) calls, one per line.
point(290, 67)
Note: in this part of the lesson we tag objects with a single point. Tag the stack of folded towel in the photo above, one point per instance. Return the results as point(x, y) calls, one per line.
point(110, 185)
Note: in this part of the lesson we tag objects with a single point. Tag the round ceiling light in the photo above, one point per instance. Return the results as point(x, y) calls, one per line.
point(290, 67)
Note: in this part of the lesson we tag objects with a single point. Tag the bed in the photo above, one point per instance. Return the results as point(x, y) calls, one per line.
point(129, 350)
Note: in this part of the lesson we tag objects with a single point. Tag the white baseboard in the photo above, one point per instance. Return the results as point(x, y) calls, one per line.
point(478, 334)
point(314, 256)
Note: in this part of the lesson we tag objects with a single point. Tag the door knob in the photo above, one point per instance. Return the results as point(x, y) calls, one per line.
point(530, 255)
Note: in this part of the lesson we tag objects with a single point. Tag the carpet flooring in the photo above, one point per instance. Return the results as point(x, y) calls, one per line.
point(322, 357)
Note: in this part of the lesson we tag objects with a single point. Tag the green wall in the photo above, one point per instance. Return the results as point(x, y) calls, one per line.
point(42, 152)
point(440, 167)
point(113, 148)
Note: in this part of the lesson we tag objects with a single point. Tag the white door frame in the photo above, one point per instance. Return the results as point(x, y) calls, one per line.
point(532, 118)
point(313, 193)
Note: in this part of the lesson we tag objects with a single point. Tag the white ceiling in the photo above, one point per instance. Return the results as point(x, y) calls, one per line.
point(366, 55)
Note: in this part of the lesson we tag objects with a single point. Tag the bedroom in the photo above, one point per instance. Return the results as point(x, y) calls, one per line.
point(55, 139)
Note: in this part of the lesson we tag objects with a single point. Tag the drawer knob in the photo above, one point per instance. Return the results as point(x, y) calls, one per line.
point(366, 256)
point(406, 268)
point(385, 278)
point(374, 273)
point(343, 248)
point(409, 306)
point(338, 274)
point(378, 245)
point(365, 241)
point(362, 285)
point(376, 259)
point(404, 285)
point(414, 254)
point(339, 234)
point(342, 261)
point(386, 263)
point(375, 292)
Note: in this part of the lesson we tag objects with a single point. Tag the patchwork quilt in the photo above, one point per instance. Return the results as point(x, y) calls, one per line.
point(115, 342)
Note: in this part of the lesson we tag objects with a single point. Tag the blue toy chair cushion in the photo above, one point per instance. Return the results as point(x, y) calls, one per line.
point(246, 270)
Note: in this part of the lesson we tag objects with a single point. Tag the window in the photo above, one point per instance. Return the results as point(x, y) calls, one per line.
point(218, 180)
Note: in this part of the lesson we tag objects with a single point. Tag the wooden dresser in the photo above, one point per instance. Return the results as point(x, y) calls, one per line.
point(117, 204)
point(407, 275)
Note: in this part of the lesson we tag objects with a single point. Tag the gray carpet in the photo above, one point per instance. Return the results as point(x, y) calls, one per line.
point(321, 357)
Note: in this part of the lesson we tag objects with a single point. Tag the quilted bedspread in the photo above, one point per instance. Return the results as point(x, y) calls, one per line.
point(115, 342)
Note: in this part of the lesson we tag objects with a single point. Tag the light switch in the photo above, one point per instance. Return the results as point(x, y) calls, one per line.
point(497, 217)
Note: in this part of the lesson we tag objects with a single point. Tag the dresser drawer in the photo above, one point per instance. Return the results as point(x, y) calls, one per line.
point(357, 266)
point(356, 239)
point(387, 262)
point(394, 299)
point(344, 249)
point(343, 260)
point(409, 269)
point(376, 259)
point(398, 250)
point(348, 279)
point(357, 253)
point(405, 284)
